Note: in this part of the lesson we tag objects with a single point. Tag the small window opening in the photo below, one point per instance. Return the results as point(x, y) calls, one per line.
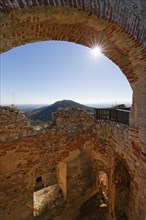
point(39, 179)
point(39, 184)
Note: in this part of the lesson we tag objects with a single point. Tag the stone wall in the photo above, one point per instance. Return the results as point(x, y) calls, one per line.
point(26, 154)
point(117, 26)
point(85, 149)
point(13, 124)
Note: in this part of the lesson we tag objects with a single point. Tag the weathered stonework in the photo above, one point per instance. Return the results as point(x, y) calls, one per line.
point(13, 124)
point(51, 154)
point(72, 154)
point(127, 14)
point(118, 26)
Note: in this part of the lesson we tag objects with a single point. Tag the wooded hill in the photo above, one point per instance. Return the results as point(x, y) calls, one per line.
point(44, 114)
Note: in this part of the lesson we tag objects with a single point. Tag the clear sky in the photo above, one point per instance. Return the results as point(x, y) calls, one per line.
point(45, 72)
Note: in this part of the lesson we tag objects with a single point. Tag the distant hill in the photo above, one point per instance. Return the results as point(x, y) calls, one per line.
point(44, 114)
point(26, 108)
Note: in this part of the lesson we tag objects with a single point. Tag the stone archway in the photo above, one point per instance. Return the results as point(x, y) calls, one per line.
point(117, 26)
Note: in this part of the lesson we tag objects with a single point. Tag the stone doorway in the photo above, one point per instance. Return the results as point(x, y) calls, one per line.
point(122, 191)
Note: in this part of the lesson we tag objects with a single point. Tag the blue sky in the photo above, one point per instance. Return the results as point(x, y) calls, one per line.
point(45, 72)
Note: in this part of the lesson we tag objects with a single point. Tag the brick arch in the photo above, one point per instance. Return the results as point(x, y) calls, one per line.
point(58, 23)
point(127, 14)
point(86, 25)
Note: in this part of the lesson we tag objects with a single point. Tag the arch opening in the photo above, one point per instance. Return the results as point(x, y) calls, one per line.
point(122, 191)
point(82, 27)
point(76, 71)
point(70, 24)
point(93, 209)
point(97, 206)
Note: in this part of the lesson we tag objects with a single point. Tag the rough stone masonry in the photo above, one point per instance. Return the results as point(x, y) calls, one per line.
point(119, 26)
point(48, 157)
point(71, 154)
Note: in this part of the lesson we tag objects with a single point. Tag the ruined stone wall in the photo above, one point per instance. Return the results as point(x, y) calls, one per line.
point(13, 124)
point(26, 154)
point(122, 146)
point(24, 159)
point(94, 146)
point(117, 26)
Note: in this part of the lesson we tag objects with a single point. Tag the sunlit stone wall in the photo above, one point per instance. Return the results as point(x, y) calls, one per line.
point(39, 153)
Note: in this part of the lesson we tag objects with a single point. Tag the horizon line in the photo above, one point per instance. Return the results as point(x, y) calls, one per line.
point(99, 103)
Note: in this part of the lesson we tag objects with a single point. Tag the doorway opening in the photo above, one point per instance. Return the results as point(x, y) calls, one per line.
point(122, 191)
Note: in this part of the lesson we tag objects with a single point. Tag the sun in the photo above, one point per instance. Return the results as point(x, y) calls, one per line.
point(96, 51)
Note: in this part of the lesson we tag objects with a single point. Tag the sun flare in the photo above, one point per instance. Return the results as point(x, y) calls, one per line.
point(96, 51)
